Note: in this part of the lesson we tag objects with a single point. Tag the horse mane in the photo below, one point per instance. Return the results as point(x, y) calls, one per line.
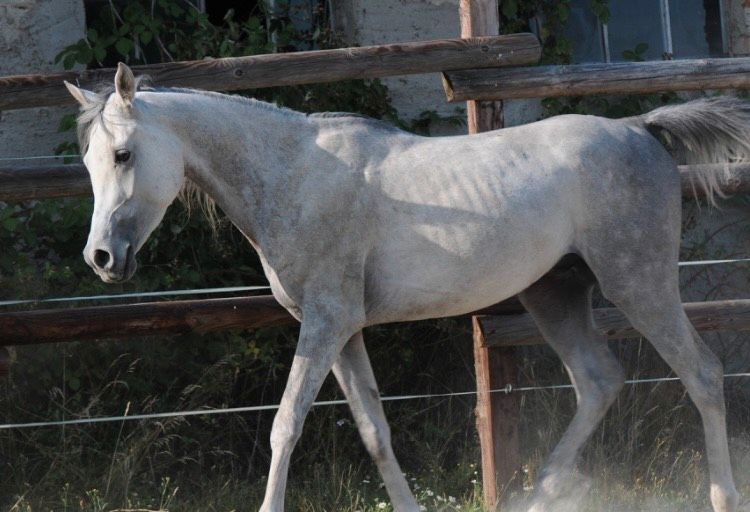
point(191, 196)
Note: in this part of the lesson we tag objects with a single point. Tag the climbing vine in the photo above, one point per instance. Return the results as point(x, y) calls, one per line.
point(547, 18)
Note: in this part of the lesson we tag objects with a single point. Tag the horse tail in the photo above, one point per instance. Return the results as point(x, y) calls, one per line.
point(704, 131)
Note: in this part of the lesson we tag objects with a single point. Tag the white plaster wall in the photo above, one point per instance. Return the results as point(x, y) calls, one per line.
point(391, 21)
point(32, 33)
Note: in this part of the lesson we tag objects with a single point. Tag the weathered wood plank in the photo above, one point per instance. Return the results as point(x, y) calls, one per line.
point(152, 318)
point(145, 319)
point(44, 182)
point(481, 18)
point(587, 79)
point(725, 315)
point(236, 73)
point(738, 181)
point(497, 416)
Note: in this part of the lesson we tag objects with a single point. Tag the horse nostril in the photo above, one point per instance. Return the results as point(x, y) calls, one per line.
point(101, 258)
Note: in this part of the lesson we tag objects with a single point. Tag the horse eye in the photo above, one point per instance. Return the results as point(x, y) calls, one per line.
point(122, 156)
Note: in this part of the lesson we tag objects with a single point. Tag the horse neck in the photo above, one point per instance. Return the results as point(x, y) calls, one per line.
point(241, 153)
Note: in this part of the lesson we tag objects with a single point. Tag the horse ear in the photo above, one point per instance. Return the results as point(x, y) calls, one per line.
point(82, 96)
point(125, 84)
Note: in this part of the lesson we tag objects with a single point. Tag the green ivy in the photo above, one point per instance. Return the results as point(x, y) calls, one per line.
point(518, 16)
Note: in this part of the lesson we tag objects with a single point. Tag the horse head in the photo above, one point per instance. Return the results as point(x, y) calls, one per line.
point(136, 167)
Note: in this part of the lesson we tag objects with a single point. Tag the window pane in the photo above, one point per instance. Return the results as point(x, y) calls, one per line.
point(633, 22)
point(696, 28)
point(582, 29)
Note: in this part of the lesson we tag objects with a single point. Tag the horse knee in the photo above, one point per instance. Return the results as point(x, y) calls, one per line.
point(284, 433)
point(377, 440)
point(610, 387)
point(706, 383)
point(600, 380)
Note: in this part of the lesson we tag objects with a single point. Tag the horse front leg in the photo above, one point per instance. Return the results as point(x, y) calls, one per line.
point(321, 338)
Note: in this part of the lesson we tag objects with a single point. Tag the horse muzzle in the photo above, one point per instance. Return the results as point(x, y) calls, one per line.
point(113, 263)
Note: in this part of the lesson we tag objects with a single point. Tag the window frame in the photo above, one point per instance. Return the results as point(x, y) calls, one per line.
point(666, 32)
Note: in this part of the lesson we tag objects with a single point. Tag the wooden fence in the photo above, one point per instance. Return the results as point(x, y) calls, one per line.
point(584, 79)
point(481, 49)
point(256, 71)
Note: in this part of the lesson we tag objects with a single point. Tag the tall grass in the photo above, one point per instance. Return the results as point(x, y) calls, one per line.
point(646, 455)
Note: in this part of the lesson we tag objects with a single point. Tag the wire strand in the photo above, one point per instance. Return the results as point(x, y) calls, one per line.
point(232, 289)
point(257, 408)
point(40, 157)
point(162, 293)
point(697, 263)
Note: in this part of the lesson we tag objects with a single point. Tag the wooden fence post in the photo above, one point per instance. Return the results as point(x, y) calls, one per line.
point(481, 18)
point(497, 414)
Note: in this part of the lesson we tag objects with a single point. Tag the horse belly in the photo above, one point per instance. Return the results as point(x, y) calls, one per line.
point(430, 278)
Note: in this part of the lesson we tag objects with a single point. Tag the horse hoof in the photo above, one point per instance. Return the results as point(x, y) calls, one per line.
point(560, 491)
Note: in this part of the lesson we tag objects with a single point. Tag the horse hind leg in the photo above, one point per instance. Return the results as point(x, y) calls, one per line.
point(354, 374)
point(649, 297)
point(560, 304)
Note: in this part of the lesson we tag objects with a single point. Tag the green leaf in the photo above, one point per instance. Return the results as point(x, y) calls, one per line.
point(67, 122)
point(641, 48)
point(10, 223)
point(146, 36)
point(92, 35)
point(123, 46)
point(74, 383)
point(99, 53)
point(69, 61)
point(510, 8)
point(85, 56)
point(600, 8)
point(124, 29)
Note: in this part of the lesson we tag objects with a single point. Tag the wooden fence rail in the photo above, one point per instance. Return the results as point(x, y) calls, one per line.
point(585, 79)
point(517, 330)
point(145, 319)
point(319, 66)
point(45, 182)
point(503, 325)
point(155, 318)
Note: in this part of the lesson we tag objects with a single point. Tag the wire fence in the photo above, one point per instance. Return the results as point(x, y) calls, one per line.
point(258, 408)
point(271, 407)
point(38, 157)
point(161, 293)
point(236, 289)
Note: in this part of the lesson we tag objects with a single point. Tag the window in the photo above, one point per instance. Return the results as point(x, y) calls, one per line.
point(647, 30)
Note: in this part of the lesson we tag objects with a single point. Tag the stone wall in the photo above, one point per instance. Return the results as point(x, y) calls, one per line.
point(32, 33)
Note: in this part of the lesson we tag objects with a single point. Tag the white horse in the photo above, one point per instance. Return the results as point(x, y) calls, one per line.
point(357, 223)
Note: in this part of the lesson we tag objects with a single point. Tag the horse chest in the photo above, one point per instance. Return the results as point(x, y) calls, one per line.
point(280, 292)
